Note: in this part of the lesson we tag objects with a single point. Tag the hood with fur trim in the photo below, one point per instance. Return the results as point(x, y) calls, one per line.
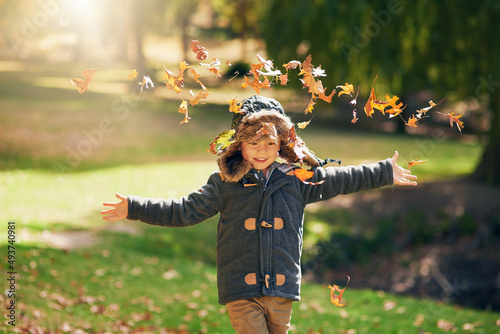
point(258, 110)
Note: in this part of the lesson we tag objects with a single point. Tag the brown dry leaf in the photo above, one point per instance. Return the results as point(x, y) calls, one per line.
point(82, 85)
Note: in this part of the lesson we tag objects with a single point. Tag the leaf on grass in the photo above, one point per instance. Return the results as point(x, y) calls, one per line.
point(82, 85)
point(337, 298)
point(446, 325)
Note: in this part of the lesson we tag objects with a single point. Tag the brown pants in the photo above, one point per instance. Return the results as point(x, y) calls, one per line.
point(260, 315)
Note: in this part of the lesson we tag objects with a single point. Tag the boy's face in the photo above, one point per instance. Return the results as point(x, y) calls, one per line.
point(260, 153)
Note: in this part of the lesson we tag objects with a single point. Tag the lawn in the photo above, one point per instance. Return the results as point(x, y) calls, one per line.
point(63, 154)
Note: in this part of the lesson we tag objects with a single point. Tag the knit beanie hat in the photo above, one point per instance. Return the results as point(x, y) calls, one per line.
point(256, 112)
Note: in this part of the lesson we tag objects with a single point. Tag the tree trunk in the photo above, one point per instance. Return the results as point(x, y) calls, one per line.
point(488, 169)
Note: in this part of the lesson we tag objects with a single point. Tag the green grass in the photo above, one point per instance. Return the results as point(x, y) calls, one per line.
point(165, 278)
point(153, 278)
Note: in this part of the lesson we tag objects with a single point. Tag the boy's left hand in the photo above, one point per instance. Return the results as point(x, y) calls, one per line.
point(402, 176)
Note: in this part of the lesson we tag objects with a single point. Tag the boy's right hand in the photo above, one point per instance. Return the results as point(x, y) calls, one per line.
point(119, 211)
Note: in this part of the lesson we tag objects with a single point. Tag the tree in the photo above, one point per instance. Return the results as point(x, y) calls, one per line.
point(450, 47)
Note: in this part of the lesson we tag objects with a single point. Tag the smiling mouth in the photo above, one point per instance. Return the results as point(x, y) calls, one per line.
point(260, 160)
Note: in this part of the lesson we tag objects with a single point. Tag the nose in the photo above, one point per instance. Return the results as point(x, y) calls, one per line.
point(261, 146)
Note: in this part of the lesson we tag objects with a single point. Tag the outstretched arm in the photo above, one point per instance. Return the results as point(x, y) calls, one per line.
point(119, 211)
point(402, 176)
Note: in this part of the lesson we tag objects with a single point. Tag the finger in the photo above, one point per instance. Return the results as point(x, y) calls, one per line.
point(107, 212)
point(120, 197)
point(395, 157)
point(110, 203)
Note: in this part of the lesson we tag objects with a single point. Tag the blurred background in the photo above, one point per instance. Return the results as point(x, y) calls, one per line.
point(63, 153)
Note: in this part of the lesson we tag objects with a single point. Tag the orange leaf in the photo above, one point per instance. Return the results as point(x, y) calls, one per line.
point(337, 299)
point(310, 107)
point(82, 85)
point(303, 174)
point(415, 162)
point(183, 109)
point(454, 119)
point(195, 99)
point(412, 122)
point(292, 64)
point(346, 89)
point(196, 77)
point(303, 125)
point(133, 74)
point(201, 52)
point(354, 118)
point(234, 106)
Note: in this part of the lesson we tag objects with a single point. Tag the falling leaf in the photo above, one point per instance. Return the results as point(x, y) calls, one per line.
point(213, 67)
point(222, 141)
point(303, 125)
point(454, 119)
point(234, 106)
point(415, 162)
point(256, 84)
point(423, 111)
point(303, 174)
point(183, 109)
point(195, 99)
point(82, 85)
point(201, 51)
point(133, 74)
point(369, 104)
point(283, 79)
point(196, 77)
point(337, 298)
point(173, 81)
point(346, 89)
point(318, 72)
point(267, 129)
point(293, 64)
point(354, 118)
point(148, 83)
point(412, 122)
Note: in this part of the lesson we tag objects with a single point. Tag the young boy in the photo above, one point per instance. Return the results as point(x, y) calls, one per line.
point(261, 204)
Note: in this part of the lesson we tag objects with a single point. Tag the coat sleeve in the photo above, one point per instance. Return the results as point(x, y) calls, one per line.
point(346, 180)
point(189, 210)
